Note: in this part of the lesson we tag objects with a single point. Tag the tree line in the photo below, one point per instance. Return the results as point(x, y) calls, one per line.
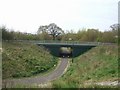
point(53, 32)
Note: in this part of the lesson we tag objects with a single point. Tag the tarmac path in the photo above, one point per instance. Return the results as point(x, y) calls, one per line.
point(60, 69)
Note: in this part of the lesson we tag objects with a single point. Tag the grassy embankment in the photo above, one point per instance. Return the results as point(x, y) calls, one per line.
point(97, 65)
point(24, 59)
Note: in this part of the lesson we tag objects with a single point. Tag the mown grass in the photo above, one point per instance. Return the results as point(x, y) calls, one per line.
point(25, 59)
point(97, 65)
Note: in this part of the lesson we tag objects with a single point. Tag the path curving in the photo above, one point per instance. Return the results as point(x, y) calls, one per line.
point(39, 79)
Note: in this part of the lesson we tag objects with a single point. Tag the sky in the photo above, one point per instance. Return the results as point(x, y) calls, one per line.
point(28, 15)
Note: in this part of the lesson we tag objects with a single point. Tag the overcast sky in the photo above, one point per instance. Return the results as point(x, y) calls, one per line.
point(28, 15)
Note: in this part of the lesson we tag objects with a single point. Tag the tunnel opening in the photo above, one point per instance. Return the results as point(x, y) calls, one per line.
point(65, 52)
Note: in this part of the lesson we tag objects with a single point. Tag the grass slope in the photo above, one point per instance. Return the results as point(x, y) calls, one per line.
point(24, 59)
point(97, 65)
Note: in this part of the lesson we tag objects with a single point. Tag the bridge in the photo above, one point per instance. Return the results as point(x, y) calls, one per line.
point(71, 48)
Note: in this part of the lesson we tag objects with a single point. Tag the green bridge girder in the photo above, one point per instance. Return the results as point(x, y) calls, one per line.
point(77, 48)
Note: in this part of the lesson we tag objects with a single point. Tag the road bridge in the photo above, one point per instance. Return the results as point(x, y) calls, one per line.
point(76, 48)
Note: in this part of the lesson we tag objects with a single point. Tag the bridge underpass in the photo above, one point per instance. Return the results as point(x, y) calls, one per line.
point(76, 49)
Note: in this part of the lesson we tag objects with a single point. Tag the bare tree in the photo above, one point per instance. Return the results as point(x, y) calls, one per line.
point(51, 29)
point(54, 30)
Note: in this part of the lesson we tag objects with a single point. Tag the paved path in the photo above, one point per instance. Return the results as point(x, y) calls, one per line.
point(40, 79)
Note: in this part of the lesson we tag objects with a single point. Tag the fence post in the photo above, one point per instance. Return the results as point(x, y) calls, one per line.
point(72, 51)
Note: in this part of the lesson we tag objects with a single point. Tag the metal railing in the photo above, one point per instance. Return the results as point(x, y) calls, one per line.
point(67, 42)
point(64, 42)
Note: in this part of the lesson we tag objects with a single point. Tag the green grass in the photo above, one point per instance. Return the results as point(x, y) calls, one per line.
point(25, 59)
point(97, 65)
